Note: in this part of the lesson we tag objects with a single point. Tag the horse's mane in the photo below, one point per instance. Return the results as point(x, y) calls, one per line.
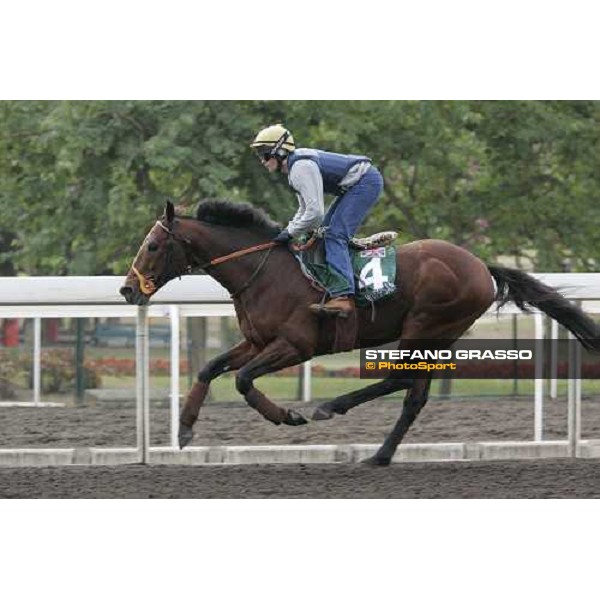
point(236, 214)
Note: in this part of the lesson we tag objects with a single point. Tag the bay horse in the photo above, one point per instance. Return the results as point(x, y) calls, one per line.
point(441, 291)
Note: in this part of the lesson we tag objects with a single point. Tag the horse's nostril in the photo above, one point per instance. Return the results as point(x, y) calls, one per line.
point(126, 291)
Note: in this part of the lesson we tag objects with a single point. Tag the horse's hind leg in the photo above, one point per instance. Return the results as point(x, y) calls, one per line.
point(415, 400)
point(342, 404)
point(444, 334)
point(233, 359)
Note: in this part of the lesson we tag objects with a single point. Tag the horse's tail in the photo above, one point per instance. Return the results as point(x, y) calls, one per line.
point(526, 291)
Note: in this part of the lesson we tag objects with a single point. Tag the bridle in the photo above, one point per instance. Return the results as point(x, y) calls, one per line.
point(148, 285)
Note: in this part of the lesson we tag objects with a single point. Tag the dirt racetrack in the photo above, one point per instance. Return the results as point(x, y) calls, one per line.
point(236, 424)
point(516, 479)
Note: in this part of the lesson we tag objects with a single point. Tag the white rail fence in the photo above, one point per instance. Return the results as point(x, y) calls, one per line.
point(201, 296)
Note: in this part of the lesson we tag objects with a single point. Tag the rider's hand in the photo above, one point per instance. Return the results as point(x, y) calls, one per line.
point(283, 237)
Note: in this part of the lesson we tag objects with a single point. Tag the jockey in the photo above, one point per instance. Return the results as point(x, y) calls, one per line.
point(355, 182)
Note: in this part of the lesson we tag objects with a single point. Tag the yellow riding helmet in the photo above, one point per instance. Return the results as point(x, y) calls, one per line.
point(276, 137)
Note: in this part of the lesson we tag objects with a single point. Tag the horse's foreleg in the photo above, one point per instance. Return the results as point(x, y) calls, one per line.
point(342, 404)
point(415, 400)
point(277, 355)
point(234, 358)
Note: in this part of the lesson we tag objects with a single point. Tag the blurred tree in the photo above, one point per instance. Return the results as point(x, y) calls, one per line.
point(542, 194)
point(81, 182)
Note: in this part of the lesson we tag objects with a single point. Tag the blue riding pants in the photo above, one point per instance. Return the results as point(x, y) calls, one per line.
point(343, 219)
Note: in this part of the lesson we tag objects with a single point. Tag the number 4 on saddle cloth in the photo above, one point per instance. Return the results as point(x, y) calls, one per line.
point(373, 261)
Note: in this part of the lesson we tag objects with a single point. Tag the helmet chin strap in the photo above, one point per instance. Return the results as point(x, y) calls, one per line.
point(280, 160)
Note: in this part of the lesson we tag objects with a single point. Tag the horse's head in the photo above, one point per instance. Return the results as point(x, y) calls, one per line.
point(161, 257)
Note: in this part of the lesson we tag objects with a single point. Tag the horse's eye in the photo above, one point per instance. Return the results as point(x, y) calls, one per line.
point(152, 246)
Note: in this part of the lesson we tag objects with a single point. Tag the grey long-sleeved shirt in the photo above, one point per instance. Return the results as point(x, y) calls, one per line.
point(305, 178)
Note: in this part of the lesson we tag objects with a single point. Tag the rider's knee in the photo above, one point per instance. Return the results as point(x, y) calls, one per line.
point(338, 236)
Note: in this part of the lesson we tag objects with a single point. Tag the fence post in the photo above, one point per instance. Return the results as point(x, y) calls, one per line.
point(574, 396)
point(37, 360)
point(174, 320)
point(306, 381)
point(554, 360)
point(539, 381)
point(515, 335)
point(79, 360)
point(143, 385)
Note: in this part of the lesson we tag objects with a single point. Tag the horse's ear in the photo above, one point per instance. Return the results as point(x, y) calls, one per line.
point(169, 211)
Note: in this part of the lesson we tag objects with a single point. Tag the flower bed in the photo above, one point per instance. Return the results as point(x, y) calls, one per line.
point(58, 372)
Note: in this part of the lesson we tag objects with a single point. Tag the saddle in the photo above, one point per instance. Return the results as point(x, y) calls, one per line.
point(373, 261)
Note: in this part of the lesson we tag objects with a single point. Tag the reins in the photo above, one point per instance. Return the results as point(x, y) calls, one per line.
point(221, 259)
point(251, 249)
point(257, 270)
point(238, 254)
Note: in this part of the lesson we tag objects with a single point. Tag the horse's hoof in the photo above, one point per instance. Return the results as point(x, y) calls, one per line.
point(377, 461)
point(321, 414)
point(294, 418)
point(185, 435)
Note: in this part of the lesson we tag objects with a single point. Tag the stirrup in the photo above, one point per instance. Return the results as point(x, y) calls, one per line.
point(321, 311)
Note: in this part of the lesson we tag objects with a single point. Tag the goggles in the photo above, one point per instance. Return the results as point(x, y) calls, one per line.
point(264, 153)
